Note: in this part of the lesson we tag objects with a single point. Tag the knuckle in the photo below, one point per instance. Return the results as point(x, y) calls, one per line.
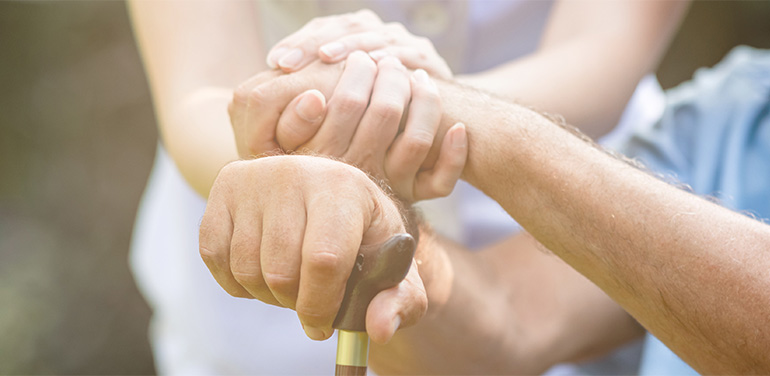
point(332, 148)
point(350, 102)
point(280, 282)
point(348, 176)
point(387, 111)
point(257, 95)
point(429, 95)
point(326, 261)
point(241, 95)
point(354, 22)
point(209, 254)
point(391, 62)
point(389, 36)
point(230, 175)
point(355, 25)
point(246, 276)
point(230, 169)
point(238, 293)
point(362, 62)
point(364, 159)
point(417, 143)
point(310, 43)
point(441, 188)
point(311, 316)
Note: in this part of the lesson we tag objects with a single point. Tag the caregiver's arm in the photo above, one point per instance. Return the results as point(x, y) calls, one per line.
point(194, 54)
point(604, 47)
point(691, 272)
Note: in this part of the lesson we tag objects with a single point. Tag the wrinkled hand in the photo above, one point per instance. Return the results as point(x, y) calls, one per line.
point(286, 230)
point(360, 124)
point(333, 38)
point(258, 103)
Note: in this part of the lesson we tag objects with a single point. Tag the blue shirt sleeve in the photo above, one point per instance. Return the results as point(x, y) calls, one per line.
point(714, 136)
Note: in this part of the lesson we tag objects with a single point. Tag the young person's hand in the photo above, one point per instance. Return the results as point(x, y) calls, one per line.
point(380, 118)
point(331, 39)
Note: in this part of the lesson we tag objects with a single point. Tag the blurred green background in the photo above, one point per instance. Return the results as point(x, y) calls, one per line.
point(77, 139)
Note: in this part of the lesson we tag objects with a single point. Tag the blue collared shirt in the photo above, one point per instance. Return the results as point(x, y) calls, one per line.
point(714, 135)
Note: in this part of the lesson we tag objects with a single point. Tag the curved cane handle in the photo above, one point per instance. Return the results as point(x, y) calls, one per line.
point(378, 267)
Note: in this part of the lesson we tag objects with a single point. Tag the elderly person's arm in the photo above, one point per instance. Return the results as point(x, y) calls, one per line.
point(691, 272)
point(509, 309)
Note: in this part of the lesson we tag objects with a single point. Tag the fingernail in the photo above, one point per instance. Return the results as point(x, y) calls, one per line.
point(333, 50)
point(421, 76)
point(458, 137)
point(310, 107)
point(377, 54)
point(277, 54)
point(314, 333)
point(291, 59)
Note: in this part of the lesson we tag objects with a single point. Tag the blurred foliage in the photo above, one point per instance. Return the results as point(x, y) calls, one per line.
point(77, 139)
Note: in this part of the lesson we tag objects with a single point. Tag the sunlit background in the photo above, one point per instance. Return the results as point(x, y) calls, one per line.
point(77, 139)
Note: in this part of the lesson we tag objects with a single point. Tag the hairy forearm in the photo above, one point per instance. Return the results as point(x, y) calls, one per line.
point(464, 331)
point(691, 272)
point(515, 308)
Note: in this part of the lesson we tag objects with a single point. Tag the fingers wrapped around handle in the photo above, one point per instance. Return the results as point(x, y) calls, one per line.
point(377, 268)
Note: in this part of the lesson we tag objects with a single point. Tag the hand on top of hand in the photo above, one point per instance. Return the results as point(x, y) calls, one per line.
point(333, 38)
point(286, 230)
point(362, 122)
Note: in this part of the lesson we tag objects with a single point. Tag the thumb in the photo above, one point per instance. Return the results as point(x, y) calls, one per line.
point(397, 307)
point(301, 119)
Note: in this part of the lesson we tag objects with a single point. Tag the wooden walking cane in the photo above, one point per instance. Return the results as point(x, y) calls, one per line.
point(378, 267)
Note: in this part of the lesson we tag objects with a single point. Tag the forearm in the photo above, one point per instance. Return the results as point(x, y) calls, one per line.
point(556, 80)
point(691, 272)
point(198, 136)
point(464, 331)
point(589, 61)
point(194, 54)
point(517, 310)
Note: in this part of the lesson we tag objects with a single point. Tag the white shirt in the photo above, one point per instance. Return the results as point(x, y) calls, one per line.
point(199, 329)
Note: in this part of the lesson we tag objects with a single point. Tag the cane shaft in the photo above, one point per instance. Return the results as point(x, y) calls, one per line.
point(378, 267)
point(352, 353)
point(349, 371)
